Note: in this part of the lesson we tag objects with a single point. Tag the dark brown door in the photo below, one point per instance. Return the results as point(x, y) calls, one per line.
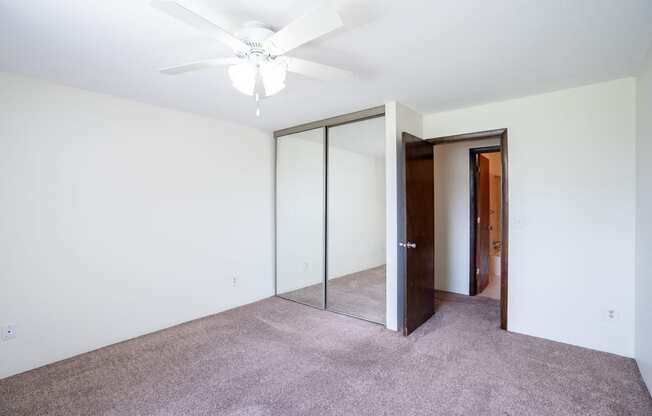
point(483, 230)
point(419, 244)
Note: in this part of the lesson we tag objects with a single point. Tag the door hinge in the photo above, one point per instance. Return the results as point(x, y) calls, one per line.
point(478, 220)
point(477, 270)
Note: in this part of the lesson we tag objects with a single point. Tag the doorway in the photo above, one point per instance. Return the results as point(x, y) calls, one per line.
point(485, 178)
point(418, 248)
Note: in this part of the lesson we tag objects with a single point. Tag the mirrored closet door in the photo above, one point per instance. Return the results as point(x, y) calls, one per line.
point(300, 219)
point(356, 219)
point(330, 217)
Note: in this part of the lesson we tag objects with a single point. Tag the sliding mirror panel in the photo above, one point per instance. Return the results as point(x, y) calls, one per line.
point(300, 217)
point(356, 219)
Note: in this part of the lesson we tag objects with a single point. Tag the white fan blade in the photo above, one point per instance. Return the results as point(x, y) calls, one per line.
point(179, 12)
point(315, 70)
point(310, 26)
point(193, 66)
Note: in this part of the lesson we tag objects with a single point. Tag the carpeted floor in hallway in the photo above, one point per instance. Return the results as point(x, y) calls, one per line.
point(276, 357)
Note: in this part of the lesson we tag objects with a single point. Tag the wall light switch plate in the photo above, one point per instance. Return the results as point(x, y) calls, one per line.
point(8, 332)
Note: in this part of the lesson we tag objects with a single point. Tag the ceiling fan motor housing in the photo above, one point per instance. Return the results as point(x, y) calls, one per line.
point(253, 34)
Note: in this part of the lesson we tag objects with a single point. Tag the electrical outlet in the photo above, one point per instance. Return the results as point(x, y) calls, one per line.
point(612, 313)
point(8, 332)
point(235, 280)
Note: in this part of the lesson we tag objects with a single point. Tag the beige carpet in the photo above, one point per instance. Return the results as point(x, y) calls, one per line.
point(360, 294)
point(277, 357)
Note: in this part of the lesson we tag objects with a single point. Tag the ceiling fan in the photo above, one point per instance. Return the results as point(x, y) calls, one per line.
point(260, 63)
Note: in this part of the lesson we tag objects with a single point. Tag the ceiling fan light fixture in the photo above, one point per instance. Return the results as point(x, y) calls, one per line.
point(260, 64)
point(243, 77)
point(273, 75)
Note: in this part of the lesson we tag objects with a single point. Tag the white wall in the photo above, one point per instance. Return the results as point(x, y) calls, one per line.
point(571, 198)
point(119, 218)
point(644, 225)
point(300, 210)
point(398, 119)
point(356, 197)
point(452, 207)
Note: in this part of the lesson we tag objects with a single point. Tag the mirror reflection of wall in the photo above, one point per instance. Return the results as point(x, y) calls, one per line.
point(356, 219)
point(300, 216)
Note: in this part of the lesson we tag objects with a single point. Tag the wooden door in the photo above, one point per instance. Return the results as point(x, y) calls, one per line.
point(483, 229)
point(419, 244)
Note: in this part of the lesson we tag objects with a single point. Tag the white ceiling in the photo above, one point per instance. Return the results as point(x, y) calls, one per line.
point(430, 55)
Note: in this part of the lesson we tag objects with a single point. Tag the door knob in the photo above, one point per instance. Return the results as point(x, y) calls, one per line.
point(411, 245)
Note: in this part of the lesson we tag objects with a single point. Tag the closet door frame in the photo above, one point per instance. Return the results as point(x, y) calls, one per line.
point(362, 115)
